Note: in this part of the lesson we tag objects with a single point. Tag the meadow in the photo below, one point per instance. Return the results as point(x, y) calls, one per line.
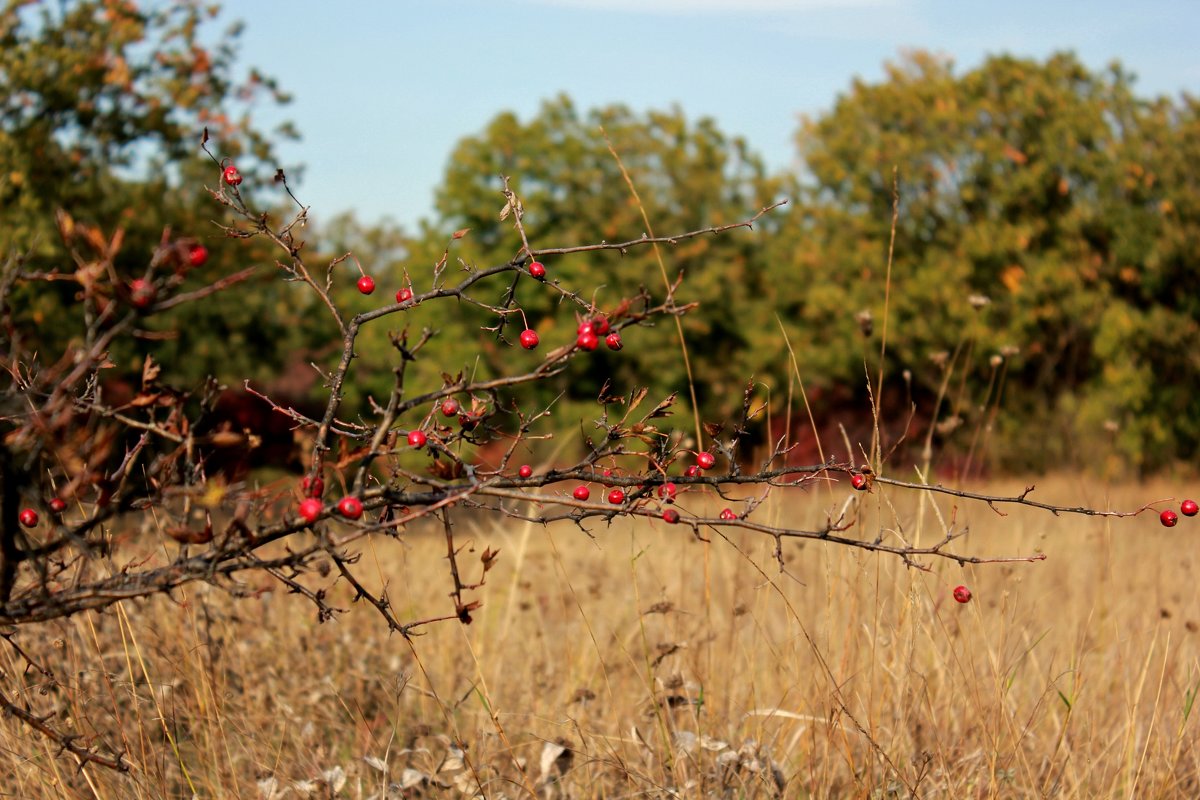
point(639, 661)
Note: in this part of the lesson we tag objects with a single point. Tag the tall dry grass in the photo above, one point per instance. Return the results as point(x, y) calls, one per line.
point(629, 664)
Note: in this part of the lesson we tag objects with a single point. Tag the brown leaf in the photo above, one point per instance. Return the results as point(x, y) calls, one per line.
point(226, 439)
point(204, 137)
point(145, 399)
point(637, 396)
point(94, 236)
point(66, 225)
point(461, 233)
point(663, 409)
point(186, 536)
point(606, 397)
point(489, 558)
point(713, 429)
point(150, 372)
point(445, 469)
point(114, 246)
point(1014, 155)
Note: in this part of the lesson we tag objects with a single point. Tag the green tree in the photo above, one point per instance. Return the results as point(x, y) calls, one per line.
point(102, 107)
point(1047, 189)
point(688, 174)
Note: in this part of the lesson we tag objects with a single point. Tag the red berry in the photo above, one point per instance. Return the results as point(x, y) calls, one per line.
point(613, 340)
point(858, 481)
point(404, 295)
point(529, 338)
point(671, 516)
point(727, 514)
point(587, 341)
point(600, 325)
point(141, 293)
point(962, 594)
point(616, 497)
point(693, 472)
point(197, 255)
point(231, 175)
point(58, 505)
point(366, 284)
point(467, 422)
point(28, 517)
point(607, 473)
point(585, 327)
point(705, 460)
point(417, 438)
point(310, 509)
point(350, 507)
point(667, 492)
point(1168, 518)
point(537, 269)
point(582, 493)
point(449, 407)
point(1189, 508)
point(525, 471)
point(312, 487)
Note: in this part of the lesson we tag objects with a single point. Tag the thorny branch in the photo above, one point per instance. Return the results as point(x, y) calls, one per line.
point(108, 465)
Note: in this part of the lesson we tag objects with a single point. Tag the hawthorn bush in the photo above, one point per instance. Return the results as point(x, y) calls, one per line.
point(106, 502)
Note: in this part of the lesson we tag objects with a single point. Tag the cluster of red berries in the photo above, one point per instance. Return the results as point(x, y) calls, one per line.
point(1169, 518)
point(666, 492)
point(590, 330)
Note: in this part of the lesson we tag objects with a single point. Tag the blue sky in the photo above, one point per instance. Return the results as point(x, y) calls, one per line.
point(383, 90)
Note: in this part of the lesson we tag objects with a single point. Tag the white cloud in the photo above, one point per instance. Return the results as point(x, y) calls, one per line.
point(717, 6)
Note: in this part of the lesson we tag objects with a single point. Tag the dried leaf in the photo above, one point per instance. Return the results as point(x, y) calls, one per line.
point(461, 233)
point(145, 399)
point(685, 741)
point(452, 763)
point(268, 788)
point(335, 779)
point(713, 429)
point(489, 558)
point(66, 224)
point(412, 777)
point(606, 397)
point(186, 536)
point(150, 372)
point(226, 439)
point(94, 237)
point(663, 409)
point(204, 137)
point(550, 753)
point(636, 397)
point(446, 469)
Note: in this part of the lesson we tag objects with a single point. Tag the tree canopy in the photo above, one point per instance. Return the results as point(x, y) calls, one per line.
point(1044, 211)
point(103, 105)
point(1041, 272)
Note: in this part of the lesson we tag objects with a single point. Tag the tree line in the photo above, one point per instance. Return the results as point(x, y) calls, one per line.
point(1023, 232)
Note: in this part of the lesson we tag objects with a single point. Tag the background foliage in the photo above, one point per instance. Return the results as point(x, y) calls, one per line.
point(1045, 252)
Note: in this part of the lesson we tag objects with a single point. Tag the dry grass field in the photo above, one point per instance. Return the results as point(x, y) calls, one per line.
point(642, 662)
